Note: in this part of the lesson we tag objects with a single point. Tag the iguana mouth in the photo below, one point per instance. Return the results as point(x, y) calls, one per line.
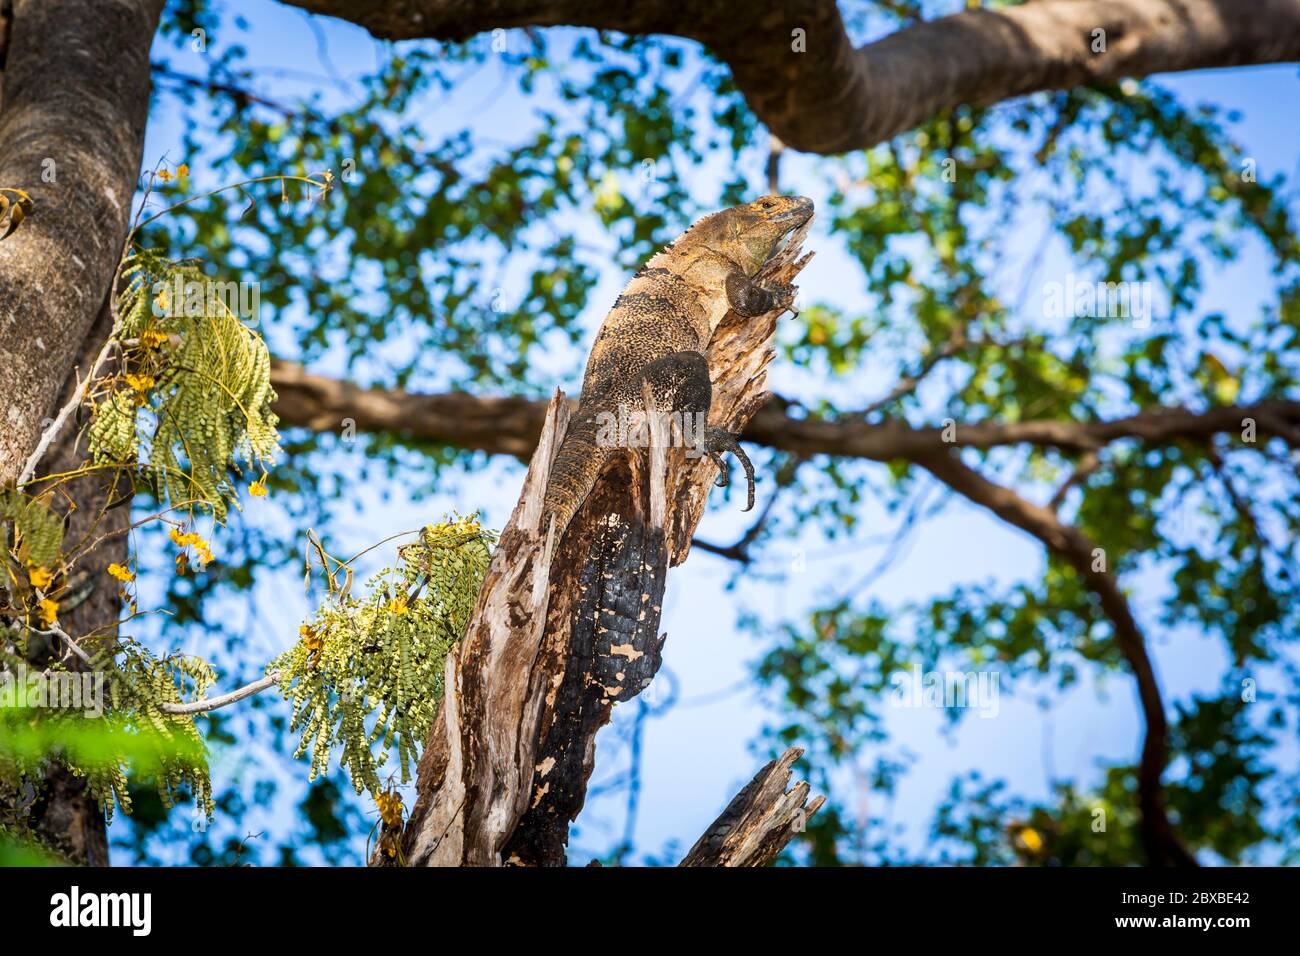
point(796, 215)
point(784, 242)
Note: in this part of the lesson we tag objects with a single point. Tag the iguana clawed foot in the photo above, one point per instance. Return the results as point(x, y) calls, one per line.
point(717, 441)
point(784, 296)
point(750, 299)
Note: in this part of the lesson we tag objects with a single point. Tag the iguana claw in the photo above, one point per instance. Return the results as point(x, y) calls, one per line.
point(717, 441)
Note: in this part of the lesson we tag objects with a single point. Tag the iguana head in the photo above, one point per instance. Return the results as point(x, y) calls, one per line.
point(750, 234)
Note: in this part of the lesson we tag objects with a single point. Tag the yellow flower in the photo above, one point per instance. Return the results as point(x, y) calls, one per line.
point(49, 611)
point(153, 338)
point(122, 573)
point(397, 605)
point(257, 489)
point(390, 808)
point(165, 175)
point(40, 577)
point(189, 538)
point(182, 171)
point(314, 643)
point(1030, 838)
point(140, 383)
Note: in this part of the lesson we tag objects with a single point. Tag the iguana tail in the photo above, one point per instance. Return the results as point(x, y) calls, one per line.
point(578, 464)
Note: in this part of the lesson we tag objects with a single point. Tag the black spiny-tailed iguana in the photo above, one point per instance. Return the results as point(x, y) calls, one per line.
point(658, 331)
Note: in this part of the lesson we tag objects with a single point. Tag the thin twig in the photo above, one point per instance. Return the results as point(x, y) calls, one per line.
point(212, 703)
point(50, 433)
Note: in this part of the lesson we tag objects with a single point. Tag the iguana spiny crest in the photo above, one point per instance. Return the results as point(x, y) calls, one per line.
point(658, 332)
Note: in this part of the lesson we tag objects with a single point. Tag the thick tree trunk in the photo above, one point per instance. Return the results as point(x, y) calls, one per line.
point(73, 105)
point(66, 817)
point(76, 95)
point(565, 629)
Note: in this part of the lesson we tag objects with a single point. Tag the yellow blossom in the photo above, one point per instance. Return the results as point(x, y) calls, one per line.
point(1030, 838)
point(390, 808)
point(40, 577)
point(153, 338)
point(257, 489)
point(397, 605)
point(314, 643)
point(165, 175)
point(140, 383)
point(191, 539)
point(122, 573)
point(49, 611)
point(182, 171)
point(311, 640)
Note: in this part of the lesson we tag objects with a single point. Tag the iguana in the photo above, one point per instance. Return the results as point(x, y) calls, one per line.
point(658, 332)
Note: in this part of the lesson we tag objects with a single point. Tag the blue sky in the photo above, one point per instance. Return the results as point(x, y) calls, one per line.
point(698, 754)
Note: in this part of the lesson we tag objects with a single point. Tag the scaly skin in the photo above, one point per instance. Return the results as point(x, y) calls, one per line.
point(658, 332)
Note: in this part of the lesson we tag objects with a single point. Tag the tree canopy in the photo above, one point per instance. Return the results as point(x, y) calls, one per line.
point(1050, 294)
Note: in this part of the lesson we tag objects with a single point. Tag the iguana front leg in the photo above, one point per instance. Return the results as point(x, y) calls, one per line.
point(680, 383)
point(751, 300)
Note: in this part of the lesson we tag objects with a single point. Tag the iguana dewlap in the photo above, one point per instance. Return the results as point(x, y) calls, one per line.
point(658, 332)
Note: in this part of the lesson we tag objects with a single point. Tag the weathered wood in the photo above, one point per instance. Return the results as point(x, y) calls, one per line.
point(759, 821)
point(565, 629)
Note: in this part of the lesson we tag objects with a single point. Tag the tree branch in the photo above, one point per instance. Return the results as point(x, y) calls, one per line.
point(209, 704)
point(1163, 848)
point(819, 94)
point(511, 425)
point(242, 96)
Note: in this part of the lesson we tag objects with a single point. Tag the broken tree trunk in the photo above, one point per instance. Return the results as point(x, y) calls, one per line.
point(759, 821)
point(565, 629)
